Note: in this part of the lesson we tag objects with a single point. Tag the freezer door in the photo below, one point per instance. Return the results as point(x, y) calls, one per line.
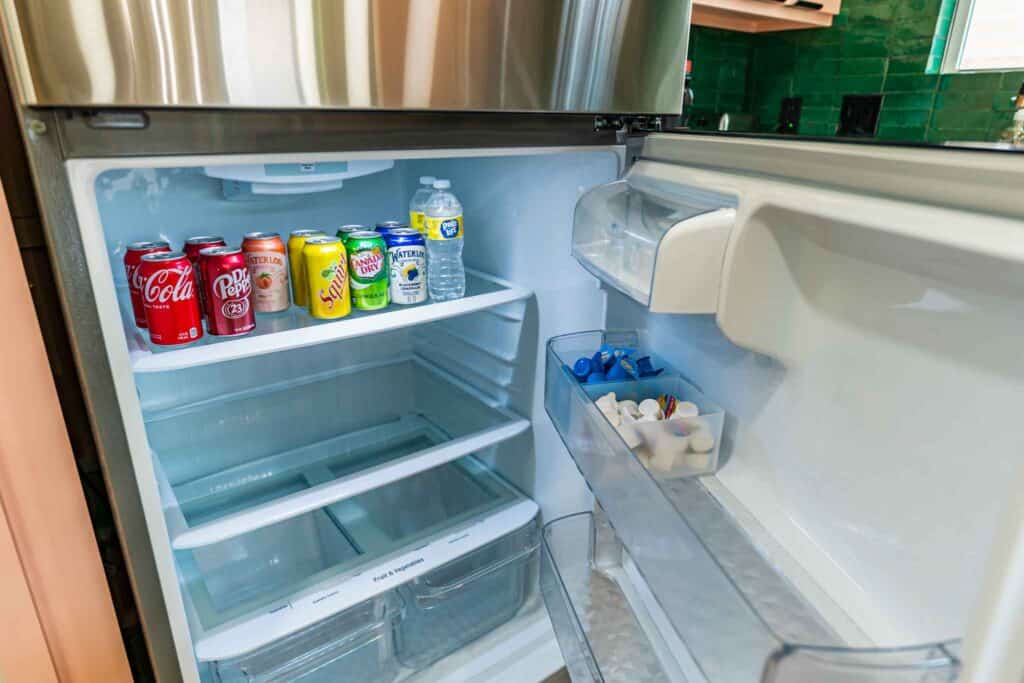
point(611, 56)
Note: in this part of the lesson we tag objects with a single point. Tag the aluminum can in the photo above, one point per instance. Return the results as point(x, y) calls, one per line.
point(194, 245)
point(407, 266)
point(326, 262)
point(132, 258)
point(228, 291)
point(346, 230)
point(268, 267)
point(169, 298)
point(300, 289)
point(385, 227)
point(367, 255)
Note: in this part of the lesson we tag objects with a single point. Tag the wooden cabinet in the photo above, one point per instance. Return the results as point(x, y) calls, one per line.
point(756, 16)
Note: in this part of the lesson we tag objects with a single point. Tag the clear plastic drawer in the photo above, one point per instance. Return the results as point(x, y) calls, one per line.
point(354, 645)
point(466, 598)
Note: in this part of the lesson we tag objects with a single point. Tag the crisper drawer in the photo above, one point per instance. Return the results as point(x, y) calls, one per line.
point(354, 645)
point(247, 592)
point(466, 598)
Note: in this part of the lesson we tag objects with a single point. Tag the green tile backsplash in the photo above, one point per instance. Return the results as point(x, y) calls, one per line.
point(874, 47)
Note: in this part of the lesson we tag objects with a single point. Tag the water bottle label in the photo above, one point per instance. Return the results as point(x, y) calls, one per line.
point(416, 221)
point(443, 228)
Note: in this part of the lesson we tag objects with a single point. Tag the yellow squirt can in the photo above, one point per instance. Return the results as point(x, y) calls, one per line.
point(326, 266)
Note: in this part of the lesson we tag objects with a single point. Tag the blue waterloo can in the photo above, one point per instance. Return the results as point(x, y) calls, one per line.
point(407, 266)
point(387, 227)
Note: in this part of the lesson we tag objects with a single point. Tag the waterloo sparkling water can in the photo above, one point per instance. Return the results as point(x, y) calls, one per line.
point(407, 266)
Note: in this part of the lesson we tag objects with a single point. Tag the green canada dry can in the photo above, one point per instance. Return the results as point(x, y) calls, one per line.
point(346, 230)
point(368, 272)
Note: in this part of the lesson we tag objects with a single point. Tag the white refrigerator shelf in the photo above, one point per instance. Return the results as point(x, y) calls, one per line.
point(739, 617)
point(232, 467)
point(295, 328)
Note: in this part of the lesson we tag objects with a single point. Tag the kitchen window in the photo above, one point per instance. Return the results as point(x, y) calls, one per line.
point(984, 35)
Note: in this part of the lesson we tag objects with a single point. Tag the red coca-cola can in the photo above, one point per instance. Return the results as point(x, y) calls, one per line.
point(169, 298)
point(132, 258)
point(228, 286)
point(194, 245)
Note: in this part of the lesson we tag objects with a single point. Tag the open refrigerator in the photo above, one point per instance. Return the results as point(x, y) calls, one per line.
point(428, 493)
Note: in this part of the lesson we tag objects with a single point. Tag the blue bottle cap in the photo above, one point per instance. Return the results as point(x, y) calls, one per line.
point(581, 368)
point(596, 377)
point(644, 366)
point(629, 367)
point(617, 372)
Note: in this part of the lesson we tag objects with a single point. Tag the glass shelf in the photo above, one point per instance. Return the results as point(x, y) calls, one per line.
point(741, 620)
point(295, 328)
point(255, 459)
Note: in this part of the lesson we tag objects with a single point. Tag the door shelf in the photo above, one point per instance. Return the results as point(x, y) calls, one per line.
point(655, 239)
point(740, 618)
point(665, 446)
point(585, 586)
point(257, 459)
point(295, 328)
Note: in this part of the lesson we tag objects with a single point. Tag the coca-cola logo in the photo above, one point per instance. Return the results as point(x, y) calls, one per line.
point(367, 263)
point(134, 277)
point(233, 284)
point(235, 308)
point(168, 284)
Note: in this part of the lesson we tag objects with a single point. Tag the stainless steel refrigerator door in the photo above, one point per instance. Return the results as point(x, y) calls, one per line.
point(603, 56)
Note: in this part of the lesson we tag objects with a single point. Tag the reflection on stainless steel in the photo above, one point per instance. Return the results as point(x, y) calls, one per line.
point(609, 56)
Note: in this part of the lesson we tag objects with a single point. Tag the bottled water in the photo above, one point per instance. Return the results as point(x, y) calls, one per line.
point(446, 278)
point(419, 200)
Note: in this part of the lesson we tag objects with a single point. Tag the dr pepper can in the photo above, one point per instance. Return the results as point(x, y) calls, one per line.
point(268, 268)
point(225, 277)
point(194, 245)
point(169, 298)
point(132, 258)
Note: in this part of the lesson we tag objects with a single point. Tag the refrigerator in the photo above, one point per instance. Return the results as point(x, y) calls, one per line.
point(449, 491)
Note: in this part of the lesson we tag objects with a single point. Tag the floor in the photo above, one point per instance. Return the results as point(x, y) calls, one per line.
point(559, 677)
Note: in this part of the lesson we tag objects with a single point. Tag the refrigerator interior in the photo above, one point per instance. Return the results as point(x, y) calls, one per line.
point(273, 435)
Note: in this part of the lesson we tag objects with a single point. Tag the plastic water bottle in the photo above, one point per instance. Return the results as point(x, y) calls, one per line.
point(419, 201)
point(446, 278)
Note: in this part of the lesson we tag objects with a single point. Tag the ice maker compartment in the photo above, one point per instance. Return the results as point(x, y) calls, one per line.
point(466, 598)
point(353, 645)
point(656, 239)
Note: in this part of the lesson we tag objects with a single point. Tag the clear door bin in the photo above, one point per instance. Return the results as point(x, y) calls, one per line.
point(655, 239)
point(601, 639)
point(684, 444)
point(467, 598)
point(354, 645)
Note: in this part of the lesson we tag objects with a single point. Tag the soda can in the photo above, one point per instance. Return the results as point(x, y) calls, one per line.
point(346, 230)
point(367, 253)
point(268, 268)
point(194, 245)
point(385, 227)
point(132, 258)
point(300, 290)
point(225, 275)
point(326, 263)
point(407, 266)
point(169, 298)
